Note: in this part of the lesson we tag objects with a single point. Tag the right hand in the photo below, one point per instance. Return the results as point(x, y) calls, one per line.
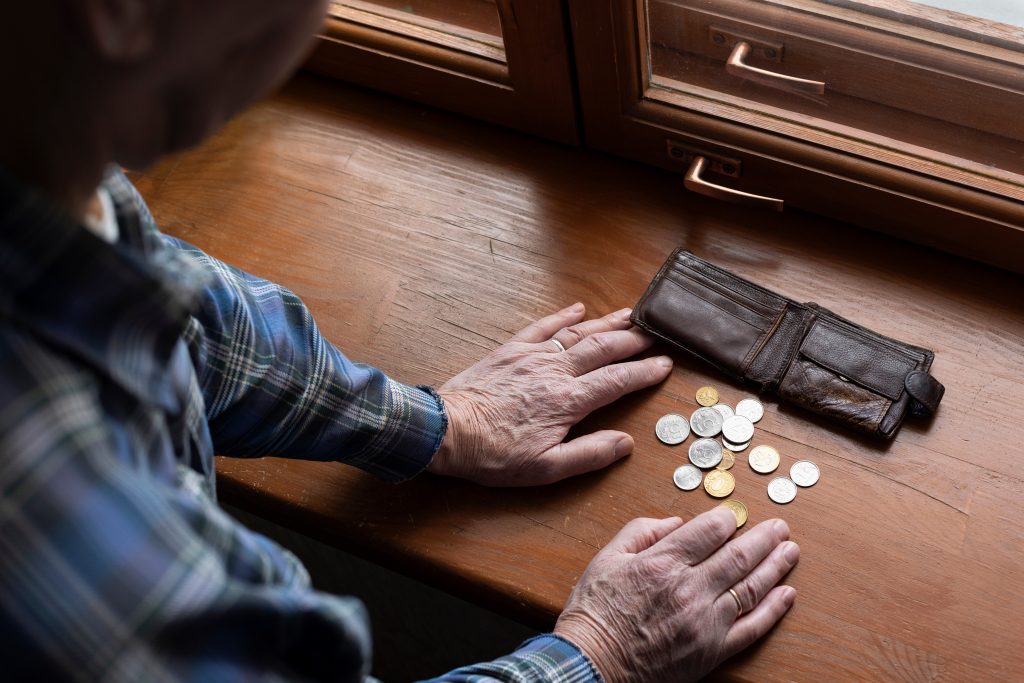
point(654, 604)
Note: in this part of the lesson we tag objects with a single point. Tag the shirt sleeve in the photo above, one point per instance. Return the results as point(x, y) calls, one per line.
point(274, 386)
point(545, 659)
point(109, 573)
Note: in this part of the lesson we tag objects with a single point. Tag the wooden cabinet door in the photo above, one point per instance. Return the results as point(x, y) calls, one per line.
point(504, 61)
point(890, 114)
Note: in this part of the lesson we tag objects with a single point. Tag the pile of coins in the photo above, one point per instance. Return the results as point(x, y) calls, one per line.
point(736, 427)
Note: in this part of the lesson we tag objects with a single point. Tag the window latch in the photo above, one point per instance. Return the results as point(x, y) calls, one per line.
point(737, 66)
point(695, 183)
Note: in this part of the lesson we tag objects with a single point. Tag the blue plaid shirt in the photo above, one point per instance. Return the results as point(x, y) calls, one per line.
point(123, 368)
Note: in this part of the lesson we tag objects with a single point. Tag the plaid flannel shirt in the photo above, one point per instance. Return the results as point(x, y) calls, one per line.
point(123, 367)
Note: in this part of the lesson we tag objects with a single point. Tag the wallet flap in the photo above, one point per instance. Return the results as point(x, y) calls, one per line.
point(855, 358)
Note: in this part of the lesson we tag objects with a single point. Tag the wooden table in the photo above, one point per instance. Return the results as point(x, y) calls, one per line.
point(422, 241)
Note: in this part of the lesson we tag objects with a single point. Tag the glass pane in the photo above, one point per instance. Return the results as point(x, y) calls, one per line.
point(1002, 11)
point(472, 26)
point(478, 16)
point(922, 87)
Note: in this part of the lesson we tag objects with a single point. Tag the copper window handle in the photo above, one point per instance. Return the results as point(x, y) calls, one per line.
point(738, 67)
point(697, 184)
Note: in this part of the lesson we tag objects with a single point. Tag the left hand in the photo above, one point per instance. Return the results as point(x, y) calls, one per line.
point(509, 413)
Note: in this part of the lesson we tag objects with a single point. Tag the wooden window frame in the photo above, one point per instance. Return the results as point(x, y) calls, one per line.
point(622, 115)
point(528, 88)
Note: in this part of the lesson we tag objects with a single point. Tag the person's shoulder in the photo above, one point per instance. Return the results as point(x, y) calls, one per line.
point(46, 395)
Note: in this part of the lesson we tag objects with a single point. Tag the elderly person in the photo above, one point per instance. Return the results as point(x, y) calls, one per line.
point(128, 358)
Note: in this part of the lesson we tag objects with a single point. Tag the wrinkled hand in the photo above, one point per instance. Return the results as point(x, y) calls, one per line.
point(654, 604)
point(509, 413)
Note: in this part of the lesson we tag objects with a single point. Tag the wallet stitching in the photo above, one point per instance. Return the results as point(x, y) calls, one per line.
point(766, 319)
point(793, 348)
point(693, 263)
point(696, 273)
point(756, 349)
point(733, 290)
point(712, 303)
point(873, 338)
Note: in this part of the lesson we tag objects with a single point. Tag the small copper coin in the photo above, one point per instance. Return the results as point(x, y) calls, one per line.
point(728, 460)
point(738, 509)
point(707, 396)
point(719, 483)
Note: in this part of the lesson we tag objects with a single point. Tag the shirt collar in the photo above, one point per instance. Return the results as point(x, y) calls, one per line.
point(120, 307)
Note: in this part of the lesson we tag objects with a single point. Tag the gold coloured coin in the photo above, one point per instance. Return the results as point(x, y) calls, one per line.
point(707, 396)
point(728, 460)
point(738, 509)
point(764, 459)
point(719, 483)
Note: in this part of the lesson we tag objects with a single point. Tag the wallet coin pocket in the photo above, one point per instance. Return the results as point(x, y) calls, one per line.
point(842, 373)
point(856, 357)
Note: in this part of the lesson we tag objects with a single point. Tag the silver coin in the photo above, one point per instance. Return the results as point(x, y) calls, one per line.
point(724, 409)
point(804, 473)
point(738, 429)
point(706, 422)
point(782, 490)
point(705, 453)
point(735, 447)
point(672, 429)
point(687, 477)
point(751, 409)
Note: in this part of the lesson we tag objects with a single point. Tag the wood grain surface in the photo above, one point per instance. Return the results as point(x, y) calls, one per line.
point(421, 241)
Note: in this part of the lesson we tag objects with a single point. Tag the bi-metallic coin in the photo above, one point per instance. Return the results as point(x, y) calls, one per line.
point(687, 477)
point(782, 490)
point(719, 483)
point(707, 396)
point(751, 409)
point(705, 453)
point(738, 429)
point(804, 473)
point(672, 429)
point(738, 509)
point(764, 459)
point(706, 422)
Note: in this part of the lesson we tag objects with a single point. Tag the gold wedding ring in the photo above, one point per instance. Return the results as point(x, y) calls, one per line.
point(739, 605)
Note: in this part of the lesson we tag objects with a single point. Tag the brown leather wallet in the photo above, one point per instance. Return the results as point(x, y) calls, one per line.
point(804, 353)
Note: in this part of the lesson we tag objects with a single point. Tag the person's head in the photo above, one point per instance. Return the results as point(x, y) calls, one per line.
point(129, 80)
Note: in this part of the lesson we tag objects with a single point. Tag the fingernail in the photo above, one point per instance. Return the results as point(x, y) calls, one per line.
point(781, 527)
point(624, 313)
point(664, 361)
point(623, 446)
point(576, 308)
point(789, 596)
point(791, 552)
